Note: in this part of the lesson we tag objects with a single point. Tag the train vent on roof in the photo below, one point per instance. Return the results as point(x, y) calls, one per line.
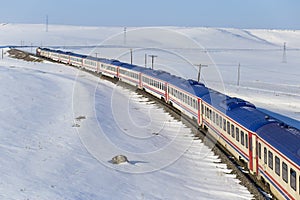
point(193, 82)
point(291, 129)
point(232, 103)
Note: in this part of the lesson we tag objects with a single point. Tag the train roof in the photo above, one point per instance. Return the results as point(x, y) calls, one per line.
point(193, 87)
point(239, 110)
point(284, 138)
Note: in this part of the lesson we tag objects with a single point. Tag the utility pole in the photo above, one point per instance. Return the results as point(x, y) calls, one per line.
point(199, 70)
point(152, 61)
point(131, 56)
point(145, 60)
point(125, 29)
point(284, 60)
point(239, 74)
point(46, 23)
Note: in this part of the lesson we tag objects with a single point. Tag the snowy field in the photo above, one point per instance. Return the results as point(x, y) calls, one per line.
point(46, 153)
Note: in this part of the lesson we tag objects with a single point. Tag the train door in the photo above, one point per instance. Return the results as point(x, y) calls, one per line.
point(166, 92)
point(252, 150)
point(199, 112)
point(117, 72)
point(140, 80)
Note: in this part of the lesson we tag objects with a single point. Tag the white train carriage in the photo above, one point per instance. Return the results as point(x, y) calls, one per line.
point(64, 58)
point(129, 76)
point(154, 86)
point(278, 159)
point(76, 59)
point(109, 70)
point(91, 64)
point(224, 117)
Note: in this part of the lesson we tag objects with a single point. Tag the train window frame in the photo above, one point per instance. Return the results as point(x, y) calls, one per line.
point(259, 150)
point(221, 122)
point(293, 180)
point(265, 156)
point(232, 130)
point(270, 159)
point(217, 119)
point(228, 127)
point(242, 138)
point(224, 124)
point(277, 165)
point(246, 140)
point(284, 172)
point(213, 116)
point(237, 134)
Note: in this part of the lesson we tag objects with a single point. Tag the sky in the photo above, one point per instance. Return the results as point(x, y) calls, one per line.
point(269, 14)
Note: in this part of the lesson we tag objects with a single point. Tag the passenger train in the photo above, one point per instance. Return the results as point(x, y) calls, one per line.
point(269, 148)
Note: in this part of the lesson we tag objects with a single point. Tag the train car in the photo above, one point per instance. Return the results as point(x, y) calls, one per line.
point(76, 59)
point(278, 162)
point(185, 96)
point(155, 83)
point(130, 74)
point(91, 64)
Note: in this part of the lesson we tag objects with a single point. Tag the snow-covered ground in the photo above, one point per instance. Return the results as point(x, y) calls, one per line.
point(46, 153)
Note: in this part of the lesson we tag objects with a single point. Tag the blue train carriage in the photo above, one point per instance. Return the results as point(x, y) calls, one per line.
point(109, 68)
point(77, 59)
point(185, 95)
point(130, 74)
point(279, 159)
point(155, 82)
point(233, 123)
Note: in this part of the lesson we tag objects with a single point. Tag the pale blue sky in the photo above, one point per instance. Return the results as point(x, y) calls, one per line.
point(279, 14)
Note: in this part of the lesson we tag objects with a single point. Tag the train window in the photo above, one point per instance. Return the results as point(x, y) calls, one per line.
point(277, 165)
point(207, 113)
point(217, 119)
point(224, 124)
point(265, 155)
point(259, 150)
point(202, 109)
point(220, 122)
point(270, 158)
point(246, 142)
point(242, 138)
point(237, 134)
point(284, 172)
point(293, 179)
point(228, 127)
point(232, 130)
point(214, 116)
point(210, 114)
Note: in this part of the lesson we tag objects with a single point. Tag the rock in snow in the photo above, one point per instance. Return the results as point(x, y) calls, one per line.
point(119, 159)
